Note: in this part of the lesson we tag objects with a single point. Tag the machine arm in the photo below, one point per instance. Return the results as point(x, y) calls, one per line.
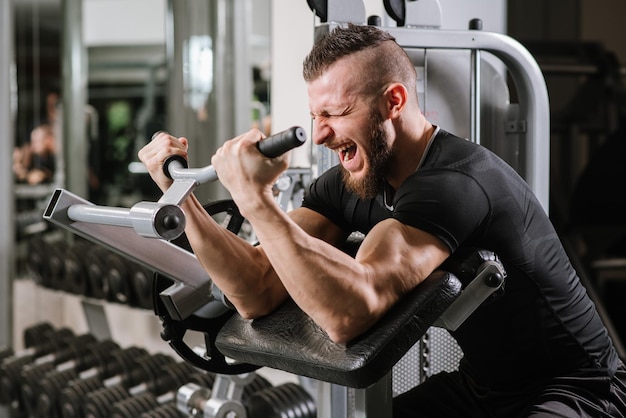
point(165, 219)
point(116, 229)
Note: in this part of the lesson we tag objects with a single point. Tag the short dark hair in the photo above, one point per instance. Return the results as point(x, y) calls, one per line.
point(383, 58)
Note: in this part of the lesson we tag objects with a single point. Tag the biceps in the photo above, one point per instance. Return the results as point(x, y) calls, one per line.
point(400, 254)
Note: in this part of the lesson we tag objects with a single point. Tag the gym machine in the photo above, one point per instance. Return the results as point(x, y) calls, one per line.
point(122, 230)
point(186, 298)
point(302, 349)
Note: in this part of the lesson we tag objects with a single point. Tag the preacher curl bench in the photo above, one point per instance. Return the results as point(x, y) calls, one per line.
point(186, 299)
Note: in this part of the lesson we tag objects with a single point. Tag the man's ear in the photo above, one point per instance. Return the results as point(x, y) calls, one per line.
point(396, 97)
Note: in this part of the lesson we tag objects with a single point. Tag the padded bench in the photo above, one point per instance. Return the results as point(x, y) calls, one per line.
point(289, 340)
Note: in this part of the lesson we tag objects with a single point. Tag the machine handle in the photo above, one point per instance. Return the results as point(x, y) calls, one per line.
point(173, 158)
point(280, 143)
point(272, 146)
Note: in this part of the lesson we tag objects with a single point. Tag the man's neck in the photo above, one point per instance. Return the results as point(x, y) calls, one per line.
point(408, 153)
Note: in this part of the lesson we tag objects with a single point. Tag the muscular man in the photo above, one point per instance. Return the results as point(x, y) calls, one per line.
point(419, 194)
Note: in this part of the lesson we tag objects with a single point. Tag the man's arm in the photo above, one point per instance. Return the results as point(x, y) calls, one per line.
point(344, 295)
point(298, 255)
point(241, 271)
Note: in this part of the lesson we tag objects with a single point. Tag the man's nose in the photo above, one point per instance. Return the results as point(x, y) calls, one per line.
point(321, 132)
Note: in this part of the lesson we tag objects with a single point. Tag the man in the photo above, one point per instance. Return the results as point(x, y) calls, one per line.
point(419, 194)
point(35, 163)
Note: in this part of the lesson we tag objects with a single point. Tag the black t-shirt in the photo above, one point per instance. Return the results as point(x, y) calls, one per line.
point(544, 324)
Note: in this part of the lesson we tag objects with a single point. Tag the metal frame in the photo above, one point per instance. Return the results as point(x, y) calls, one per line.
point(182, 299)
point(7, 222)
point(7, 211)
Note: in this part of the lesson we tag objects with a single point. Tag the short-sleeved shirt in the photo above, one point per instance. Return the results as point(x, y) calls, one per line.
point(544, 324)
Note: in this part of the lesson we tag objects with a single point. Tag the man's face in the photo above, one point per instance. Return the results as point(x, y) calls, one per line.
point(38, 140)
point(378, 155)
point(350, 124)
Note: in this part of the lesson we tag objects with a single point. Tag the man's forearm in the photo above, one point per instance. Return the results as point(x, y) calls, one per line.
point(324, 281)
point(240, 270)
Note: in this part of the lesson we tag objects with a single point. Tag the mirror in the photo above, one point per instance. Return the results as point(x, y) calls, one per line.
point(151, 65)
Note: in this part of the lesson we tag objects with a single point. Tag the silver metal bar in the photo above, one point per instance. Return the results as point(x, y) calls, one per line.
point(531, 88)
point(474, 294)
point(194, 290)
point(374, 401)
point(74, 94)
point(7, 211)
point(148, 219)
point(165, 219)
point(332, 400)
point(475, 96)
point(178, 192)
point(104, 215)
point(200, 175)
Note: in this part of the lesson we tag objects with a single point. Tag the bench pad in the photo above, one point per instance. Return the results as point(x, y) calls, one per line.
point(289, 340)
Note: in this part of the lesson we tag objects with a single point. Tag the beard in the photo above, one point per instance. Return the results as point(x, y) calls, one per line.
point(378, 157)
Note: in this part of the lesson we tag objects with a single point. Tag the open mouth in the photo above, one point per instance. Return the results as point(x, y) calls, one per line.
point(346, 153)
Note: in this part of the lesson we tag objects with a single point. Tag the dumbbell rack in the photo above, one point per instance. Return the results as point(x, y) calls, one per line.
point(98, 307)
point(63, 374)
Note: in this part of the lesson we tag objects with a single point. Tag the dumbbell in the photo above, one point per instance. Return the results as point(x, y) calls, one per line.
point(77, 395)
point(56, 265)
point(72, 397)
point(96, 271)
point(141, 284)
point(76, 268)
point(11, 368)
point(108, 276)
point(46, 261)
point(32, 374)
point(148, 397)
point(287, 400)
point(47, 389)
point(99, 402)
point(194, 397)
point(117, 279)
point(31, 336)
point(36, 259)
point(147, 404)
point(158, 389)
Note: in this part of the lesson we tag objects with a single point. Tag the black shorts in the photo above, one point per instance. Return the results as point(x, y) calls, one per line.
point(455, 395)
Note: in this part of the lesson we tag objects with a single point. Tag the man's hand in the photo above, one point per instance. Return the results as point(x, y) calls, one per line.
point(246, 173)
point(154, 154)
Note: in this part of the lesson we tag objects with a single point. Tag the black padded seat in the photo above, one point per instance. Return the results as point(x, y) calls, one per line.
point(289, 340)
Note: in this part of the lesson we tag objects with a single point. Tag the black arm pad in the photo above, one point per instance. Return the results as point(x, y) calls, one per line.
point(289, 340)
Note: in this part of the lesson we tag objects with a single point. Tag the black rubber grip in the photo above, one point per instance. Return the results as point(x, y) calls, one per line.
point(170, 159)
point(279, 143)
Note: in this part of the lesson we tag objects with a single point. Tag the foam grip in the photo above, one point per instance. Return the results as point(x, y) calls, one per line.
point(170, 160)
point(279, 143)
